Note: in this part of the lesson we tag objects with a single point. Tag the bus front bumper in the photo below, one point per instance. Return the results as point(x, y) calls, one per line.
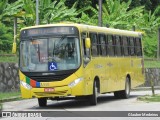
point(46, 92)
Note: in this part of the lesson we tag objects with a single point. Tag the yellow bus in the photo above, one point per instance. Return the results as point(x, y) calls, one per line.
point(75, 60)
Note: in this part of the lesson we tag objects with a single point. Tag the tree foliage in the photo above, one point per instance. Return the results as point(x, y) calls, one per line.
point(5, 38)
point(121, 14)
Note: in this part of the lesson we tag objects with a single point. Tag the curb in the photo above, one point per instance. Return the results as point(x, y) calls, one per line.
point(10, 99)
point(145, 88)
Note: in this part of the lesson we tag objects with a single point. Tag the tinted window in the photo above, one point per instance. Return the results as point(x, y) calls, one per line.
point(118, 46)
point(138, 47)
point(131, 46)
point(110, 45)
point(125, 46)
point(94, 45)
point(102, 41)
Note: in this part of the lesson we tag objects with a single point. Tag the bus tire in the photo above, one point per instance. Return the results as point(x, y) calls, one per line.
point(42, 102)
point(93, 97)
point(117, 94)
point(124, 93)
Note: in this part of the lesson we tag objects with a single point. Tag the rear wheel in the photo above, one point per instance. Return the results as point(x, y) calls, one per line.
point(42, 102)
point(124, 93)
point(93, 97)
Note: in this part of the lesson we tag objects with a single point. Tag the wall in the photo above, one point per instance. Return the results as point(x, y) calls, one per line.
point(9, 80)
point(152, 74)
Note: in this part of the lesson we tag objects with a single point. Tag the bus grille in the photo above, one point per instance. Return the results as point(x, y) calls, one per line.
point(49, 78)
point(45, 94)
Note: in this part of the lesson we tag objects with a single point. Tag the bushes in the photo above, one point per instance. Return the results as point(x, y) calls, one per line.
point(6, 38)
point(116, 13)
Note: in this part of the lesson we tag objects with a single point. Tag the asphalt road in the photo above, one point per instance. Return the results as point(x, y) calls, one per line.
point(106, 102)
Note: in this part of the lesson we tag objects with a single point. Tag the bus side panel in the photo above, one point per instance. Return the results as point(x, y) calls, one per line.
point(137, 70)
point(124, 69)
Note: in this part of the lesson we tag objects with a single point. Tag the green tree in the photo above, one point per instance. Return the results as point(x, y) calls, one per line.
point(5, 32)
point(49, 12)
point(118, 15)
point(5, 38)
point(150, 25)
point(3, 5)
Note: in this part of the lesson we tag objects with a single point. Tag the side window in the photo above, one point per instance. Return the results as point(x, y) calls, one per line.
point(102, 42)
point(125, 46)
point(94, 45)
point(110, 45)
point(138, 47)
point(131, 45)
point(118, 46)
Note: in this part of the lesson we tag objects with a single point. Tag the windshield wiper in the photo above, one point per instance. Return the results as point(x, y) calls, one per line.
point(60, 41)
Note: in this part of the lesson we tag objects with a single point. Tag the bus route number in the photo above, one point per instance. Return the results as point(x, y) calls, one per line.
point(44, 84)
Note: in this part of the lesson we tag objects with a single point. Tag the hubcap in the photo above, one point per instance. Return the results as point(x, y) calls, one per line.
point(127, 88)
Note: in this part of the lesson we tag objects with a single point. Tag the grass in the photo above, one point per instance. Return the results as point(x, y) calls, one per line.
point(7, 95)
point(13, 59)
point(151, 64)
point(150, 98)
point(1, 107)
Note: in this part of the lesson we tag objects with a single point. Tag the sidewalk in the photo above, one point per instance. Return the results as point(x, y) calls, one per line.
point(145, 88)
point(10, 99)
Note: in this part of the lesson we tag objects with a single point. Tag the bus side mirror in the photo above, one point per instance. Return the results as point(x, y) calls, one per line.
point(88, 43)
point(14, 48)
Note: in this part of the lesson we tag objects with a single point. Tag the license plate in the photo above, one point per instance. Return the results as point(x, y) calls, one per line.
point(48, 89)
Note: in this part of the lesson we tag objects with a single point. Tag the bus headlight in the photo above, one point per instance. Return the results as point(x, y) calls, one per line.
point(25, 85)
point(75, 82)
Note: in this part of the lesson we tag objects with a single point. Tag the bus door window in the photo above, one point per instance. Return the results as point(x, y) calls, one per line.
point(86, 52)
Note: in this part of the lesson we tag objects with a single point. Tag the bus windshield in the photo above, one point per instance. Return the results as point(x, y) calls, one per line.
point(49, 54)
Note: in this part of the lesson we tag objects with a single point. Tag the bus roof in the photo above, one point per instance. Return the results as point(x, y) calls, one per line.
point(91, 28)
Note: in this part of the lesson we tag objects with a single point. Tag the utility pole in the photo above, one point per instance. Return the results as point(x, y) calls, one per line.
point(100, 13)
point(15, 29)
point(37, 15)
point(158, 45)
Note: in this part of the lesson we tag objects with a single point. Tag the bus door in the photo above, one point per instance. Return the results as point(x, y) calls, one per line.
point(86, 58)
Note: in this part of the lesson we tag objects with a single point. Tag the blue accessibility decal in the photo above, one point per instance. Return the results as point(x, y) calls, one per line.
point(52, 66)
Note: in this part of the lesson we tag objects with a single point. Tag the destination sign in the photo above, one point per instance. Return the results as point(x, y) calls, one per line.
point(58, 30)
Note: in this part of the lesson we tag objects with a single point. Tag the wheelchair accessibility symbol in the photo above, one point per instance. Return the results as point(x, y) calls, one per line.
point(52, 66)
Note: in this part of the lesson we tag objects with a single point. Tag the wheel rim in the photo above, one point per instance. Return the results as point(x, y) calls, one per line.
point(96, 91)
point(127, 88)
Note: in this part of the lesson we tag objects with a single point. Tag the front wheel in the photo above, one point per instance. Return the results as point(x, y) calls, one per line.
point(93, 97)
point(42, 102)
